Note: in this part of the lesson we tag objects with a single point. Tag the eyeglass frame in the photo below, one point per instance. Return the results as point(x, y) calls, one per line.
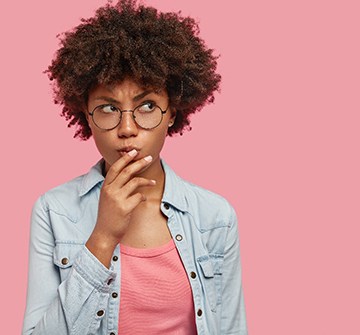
point(129, 111)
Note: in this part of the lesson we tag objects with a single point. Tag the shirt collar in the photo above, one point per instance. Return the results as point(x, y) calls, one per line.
point(92, 178)
point(174, 193)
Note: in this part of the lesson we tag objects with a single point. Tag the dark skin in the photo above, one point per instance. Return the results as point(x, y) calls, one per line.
point(129, 205)
point(180, 60)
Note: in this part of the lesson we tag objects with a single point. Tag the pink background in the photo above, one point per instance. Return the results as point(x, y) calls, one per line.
point(281, 143)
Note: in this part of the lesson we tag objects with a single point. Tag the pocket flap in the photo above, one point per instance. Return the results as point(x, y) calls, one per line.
point(206, 267)
point(65, 254)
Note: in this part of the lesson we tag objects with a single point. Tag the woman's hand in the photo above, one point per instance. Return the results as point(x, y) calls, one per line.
point(118, 198)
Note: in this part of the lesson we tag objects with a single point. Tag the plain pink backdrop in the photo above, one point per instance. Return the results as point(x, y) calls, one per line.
point(281, 143)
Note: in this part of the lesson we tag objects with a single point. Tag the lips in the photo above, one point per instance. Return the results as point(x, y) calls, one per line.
point(124, 150)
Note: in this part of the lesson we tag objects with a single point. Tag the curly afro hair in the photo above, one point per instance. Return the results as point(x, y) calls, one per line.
point(158, 50)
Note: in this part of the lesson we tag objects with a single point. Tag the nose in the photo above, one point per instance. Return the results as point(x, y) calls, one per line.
point(127, 126)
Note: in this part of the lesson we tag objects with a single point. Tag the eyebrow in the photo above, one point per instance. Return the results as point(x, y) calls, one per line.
point(135, 98)
point(142, 95)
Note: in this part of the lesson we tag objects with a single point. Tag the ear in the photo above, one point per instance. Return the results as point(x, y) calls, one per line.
point(87, 115)
point(173, 117)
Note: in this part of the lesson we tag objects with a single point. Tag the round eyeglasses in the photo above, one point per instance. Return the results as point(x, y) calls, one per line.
point(147, 115)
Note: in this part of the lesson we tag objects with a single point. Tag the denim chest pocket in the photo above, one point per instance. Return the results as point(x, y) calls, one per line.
point(64, 256)
point(211, 271)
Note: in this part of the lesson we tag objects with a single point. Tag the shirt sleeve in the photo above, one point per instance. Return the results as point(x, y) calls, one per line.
point(74, 306)
point(233, 318)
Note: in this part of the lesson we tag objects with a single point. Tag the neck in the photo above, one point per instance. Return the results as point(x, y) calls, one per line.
point(154, 171)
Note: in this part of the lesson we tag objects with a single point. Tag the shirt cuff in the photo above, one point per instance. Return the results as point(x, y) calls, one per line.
point(93, 271)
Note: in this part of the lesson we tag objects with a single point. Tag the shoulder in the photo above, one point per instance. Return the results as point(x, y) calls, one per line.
point(66, 198)
point(204, 194)
point(66, 192)
point(62, 200)
point(205, 205)
point(206, 200)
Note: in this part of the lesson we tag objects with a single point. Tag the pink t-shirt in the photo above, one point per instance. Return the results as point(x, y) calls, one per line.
point(156, 297)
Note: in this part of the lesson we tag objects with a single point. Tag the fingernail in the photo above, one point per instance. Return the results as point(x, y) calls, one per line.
point(132, 153)
point(148, 158)
point(153, 181)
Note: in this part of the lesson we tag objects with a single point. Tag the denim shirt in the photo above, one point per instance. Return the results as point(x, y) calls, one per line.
point(71, 292)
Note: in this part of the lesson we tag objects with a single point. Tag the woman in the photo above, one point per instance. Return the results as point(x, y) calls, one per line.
point(130, 247)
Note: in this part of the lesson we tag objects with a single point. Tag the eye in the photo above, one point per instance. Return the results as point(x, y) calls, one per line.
point(108, 109)
point(147, 107)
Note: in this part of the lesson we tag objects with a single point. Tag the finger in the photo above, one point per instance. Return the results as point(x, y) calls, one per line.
point(131, 186)
point(129, 171)
point(119, 165)
point(135, 200)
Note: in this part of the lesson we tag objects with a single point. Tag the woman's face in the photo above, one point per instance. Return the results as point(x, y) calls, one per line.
point(112, 144)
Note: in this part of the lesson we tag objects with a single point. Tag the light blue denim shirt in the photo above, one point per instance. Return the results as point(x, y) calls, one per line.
point(70, 291)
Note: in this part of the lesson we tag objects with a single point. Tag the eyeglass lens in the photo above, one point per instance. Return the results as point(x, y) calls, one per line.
point(146, 116)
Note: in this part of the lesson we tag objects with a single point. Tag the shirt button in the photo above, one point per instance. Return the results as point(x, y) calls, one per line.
point(114, 295)
point(115, 258)
point(64, 261)
point(192, 274)
point(166, 206)
point(178, 237)
point(199, 312)
point(100, 313)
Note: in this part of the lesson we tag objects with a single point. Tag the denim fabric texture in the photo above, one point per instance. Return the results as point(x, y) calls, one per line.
point(70, 291)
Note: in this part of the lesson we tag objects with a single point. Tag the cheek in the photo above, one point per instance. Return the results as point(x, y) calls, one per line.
point(155, 141)
point(99, 144)
point(162, 138)
point(102, 141)
point(163, 130)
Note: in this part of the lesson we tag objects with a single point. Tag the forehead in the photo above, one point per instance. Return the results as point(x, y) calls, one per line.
point(124, 89)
